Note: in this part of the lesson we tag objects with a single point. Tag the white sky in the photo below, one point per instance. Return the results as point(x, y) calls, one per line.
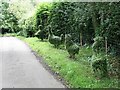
point(38, 1)
point(44, 0)
point(35, 0)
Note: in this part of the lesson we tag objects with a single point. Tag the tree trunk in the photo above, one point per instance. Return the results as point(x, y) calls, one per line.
point(94, 17)
point(106, 46)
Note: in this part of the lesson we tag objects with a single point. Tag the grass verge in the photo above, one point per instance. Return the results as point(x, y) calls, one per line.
point(78, 73)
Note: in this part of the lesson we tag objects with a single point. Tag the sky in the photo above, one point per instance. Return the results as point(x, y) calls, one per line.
point(44, 0)
point(37, 1)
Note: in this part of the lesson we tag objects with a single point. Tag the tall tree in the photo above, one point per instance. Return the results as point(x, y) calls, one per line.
point(8, 20)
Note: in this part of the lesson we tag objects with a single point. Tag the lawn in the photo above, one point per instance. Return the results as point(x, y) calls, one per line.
point(77, 73)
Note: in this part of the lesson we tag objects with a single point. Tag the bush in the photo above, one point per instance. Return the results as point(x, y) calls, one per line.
point(41, 20)
point(99, 65)
point(99, 44)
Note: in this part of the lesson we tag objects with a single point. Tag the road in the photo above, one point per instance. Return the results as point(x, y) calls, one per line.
point(20, 67)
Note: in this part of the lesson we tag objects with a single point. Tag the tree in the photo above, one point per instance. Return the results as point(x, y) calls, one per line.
point(9, 22)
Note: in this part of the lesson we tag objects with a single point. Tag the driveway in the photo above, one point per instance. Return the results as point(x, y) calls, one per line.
point(20, 67)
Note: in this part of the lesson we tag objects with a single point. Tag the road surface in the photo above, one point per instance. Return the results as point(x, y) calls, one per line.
point(20, 67)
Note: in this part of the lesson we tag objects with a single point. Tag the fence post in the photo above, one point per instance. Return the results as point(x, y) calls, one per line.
point(106, 46)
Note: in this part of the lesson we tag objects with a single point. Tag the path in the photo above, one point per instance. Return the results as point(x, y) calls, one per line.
point(20, 67)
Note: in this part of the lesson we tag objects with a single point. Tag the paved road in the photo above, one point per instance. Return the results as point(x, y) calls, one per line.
point(0, 66)
point(20, 67)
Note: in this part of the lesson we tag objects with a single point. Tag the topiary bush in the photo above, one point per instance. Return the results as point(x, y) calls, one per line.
point(99, 65)
point(71, 46)
point(42, 34)
point(99, 44)
point(41, 20)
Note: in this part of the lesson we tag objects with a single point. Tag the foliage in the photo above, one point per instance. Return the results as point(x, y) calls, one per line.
point(59, 18)
point(55, 40)
point(87, 23)
point(99, 45)
point(71, 47)
point(10, 34)
point(99, 65)
point(24, 12)
point(78, 74)
point(113, 66)
point(8, 21)
point(84, 21)
point(22, 9)
point(42, 34)
point(30, 26)
point(107, 24)
point(41, 21)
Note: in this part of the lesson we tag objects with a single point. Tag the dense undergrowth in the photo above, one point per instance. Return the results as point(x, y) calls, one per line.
point(77, 73)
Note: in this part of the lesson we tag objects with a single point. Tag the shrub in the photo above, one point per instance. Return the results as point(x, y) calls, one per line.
point(99, 44)
point(99, 65)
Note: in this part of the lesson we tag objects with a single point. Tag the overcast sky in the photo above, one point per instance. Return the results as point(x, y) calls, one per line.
point(44, 0)
point(36, 0)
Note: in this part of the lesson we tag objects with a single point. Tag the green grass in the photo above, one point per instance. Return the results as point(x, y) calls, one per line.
point(78, 72)
point(0, 35)
point(10, 34)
